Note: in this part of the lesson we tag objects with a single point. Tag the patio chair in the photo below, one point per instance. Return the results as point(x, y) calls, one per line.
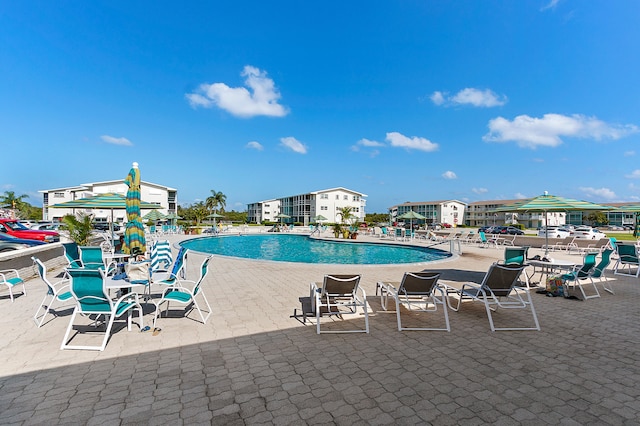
point(484, 242)
point(508, 240)
point(56, 292)
point(599, 270)
point(11, 278)
point(170, 278)
point(339, 295)
point(582, 272)
point(627, 259)
point(91, 257)
point(515, 255)
point(185, 295)
point(500, 288)
point(72, 254)
point(417, 292)
point(88, 291)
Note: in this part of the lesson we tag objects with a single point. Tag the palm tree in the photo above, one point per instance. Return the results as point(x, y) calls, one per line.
point(12, 201)
point(217, 199)
point(199, 211)
point(79, 227)
point(345, 213)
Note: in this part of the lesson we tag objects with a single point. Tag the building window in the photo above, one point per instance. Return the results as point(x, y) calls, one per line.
point(324, 196)
point(324, 208)
point(346, 198)
point(58, 195)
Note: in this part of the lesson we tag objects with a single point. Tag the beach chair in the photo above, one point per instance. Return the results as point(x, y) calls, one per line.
point(160, 256)
point(88, 291)
point(582, 272)
point(515, 255)
point(91, 257)
point(11, 278)
point(599, 271)
point(186, 293)
point(500, 288)
point(72, 255)
point(170, 278)
point(56, 292)
point(417, 292)
point(627, 260)
point(339, 295)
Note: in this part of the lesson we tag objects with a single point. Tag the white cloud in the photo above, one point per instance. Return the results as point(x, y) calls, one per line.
point(520, 196)
point(261, 99)
point(116, 141)
point(449, 175)
point(530, 132)
point(255, 145)
point(629, 153)
point(551, 5)
point(634, 174)
point(438, 98)
point(293, 144)
point(480, 190)
point(470, 96)
point(367, 142)
point(398, 140)
point(605, 193)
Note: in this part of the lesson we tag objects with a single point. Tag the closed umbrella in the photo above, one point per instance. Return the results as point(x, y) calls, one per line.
point(550, 203)
point(134, 240)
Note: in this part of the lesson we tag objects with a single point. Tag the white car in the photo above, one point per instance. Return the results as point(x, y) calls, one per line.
point(588, 233)
point(554, 232)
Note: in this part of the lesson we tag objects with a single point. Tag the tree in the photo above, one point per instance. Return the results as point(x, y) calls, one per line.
point(12, 201)
point(597, 218)
point(345, 214)
point(200, 211)
point(79, 227)
point(217, 199)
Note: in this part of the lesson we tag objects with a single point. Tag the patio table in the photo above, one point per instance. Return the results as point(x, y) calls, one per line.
point(548, 268)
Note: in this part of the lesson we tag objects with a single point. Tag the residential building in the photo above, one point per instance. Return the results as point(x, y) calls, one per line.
point(303, 208)
point(444, 211)
point(482, 213)
point(164, 196)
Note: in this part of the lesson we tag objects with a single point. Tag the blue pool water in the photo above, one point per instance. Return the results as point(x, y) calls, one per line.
point(299, 248)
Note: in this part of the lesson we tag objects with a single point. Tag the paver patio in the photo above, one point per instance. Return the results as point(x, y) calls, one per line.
point(253, 364)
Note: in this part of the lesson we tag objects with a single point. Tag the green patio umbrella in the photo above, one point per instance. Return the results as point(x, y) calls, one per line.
point(551, 203)
point(319, 218)
point(173, 217)
point(214, 216)
point(107, 201)
point(282, 216)
point(411, 215)
point(154, 215)
point(134, 240)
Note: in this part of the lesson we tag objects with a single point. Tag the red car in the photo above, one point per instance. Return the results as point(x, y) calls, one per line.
point(16, 229)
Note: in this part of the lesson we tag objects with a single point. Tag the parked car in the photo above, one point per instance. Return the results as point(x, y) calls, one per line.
point(485, 229)
point(15, 229)
point(588, 233)
point(553, 232)
point(105, 226)
point(495, 230)
point(49, 226)
point(511, 230)
point(9, 243)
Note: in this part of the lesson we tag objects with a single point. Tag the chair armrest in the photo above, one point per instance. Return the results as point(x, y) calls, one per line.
point(9, 271)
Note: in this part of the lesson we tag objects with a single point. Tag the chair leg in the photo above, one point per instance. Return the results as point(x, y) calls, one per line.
point(65, 339)
point(46, 311)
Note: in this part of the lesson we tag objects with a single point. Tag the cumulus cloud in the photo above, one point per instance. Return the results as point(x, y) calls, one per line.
point(469, 96)
point(629, 153)
point(259, 97)
point(531, 132)
point(449, 175)
point(605, 193)
point(399, 140)
point(116, 141)
point(480, 190)
point(293, 144)
point(255, 145)
point(368, 144)
point(634, 174)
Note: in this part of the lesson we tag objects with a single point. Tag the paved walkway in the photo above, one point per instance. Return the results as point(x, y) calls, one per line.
point(253, 364)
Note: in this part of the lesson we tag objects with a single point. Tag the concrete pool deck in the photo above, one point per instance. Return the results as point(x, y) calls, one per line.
point(254, 364)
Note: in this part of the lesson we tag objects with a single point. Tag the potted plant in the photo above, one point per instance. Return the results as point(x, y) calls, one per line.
point(337, 230)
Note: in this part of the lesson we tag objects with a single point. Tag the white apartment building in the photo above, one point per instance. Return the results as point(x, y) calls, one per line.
point(304, 208)
point(442, 211)
point(482, 213)
point(164, 196)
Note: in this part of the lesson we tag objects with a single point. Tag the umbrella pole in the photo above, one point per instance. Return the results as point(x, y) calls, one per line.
point(546, 233)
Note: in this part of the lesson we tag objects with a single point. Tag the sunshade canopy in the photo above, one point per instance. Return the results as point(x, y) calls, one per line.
point(102, 201)
point(214, 216)
point(154, 215)
point(551, 203)
point(319, 218)
point(411, 215)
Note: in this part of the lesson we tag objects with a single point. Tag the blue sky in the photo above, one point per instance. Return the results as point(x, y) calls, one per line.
point(401, 100)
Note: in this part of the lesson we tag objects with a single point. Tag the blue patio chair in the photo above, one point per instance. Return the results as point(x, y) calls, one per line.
point(599, 270)
point(72, 254)
point(627, 259)
point(515, 255)
point(11, 278)
point(184, 295)
point(91, 257)
point(583, 272)
point(170, 278)
point(88, 291)
point(56, 292)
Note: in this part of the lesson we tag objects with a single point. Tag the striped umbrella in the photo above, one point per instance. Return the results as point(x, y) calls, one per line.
point(550, 203)
point(154, 215)
point(134, 241)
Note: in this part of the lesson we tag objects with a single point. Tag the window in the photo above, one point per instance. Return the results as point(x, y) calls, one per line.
point(346, 198)
point(337, 197)
point(324, 196)
point(58, 195)
point(324, 208)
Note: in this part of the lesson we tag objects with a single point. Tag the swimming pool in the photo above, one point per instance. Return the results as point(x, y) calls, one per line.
point(302, 249)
